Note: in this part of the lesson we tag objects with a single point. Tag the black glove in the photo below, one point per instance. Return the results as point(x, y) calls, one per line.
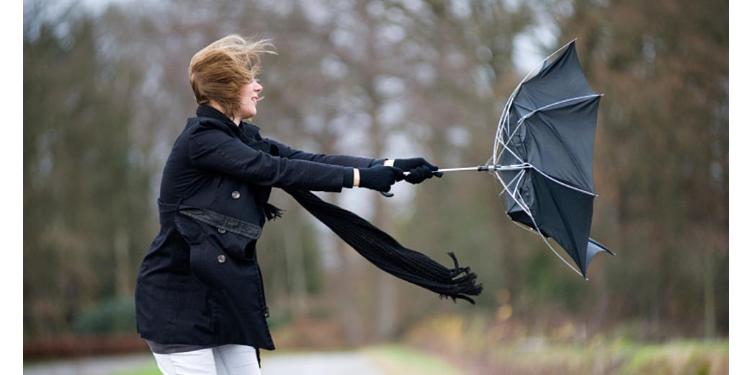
point(418, 168)
point(379, 178)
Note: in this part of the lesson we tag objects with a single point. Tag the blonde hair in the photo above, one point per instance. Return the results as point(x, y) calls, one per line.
point(218, 71)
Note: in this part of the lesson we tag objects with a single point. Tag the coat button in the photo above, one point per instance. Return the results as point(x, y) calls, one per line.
point(221, 258)
point(236, 194)
point(222, 230)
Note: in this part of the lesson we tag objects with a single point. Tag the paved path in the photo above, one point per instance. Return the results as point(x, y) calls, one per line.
point(91, 366)
point(328, 363)
point(319, 363)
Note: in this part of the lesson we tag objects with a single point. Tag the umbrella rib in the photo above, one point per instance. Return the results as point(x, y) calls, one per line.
point(505, 148)
point(522, 122)
point(511, 182)
point(506, 107)
point(547, 106)
point(522, 205)
point(539, 232)
point(559, 256)
point(518, 183)
point(562, 183)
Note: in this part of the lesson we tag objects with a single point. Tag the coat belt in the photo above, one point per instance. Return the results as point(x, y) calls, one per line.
point(167, 212)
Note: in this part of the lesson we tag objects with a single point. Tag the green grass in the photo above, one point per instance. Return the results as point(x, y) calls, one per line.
point(693, 357)
point(400, 359)
point(145, 370)
point(616, 357)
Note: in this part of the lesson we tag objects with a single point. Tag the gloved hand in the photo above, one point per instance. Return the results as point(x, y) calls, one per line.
point(419, 169)
point(380, 177)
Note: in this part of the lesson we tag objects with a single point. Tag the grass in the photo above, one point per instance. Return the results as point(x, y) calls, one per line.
point(400, 359)
point(693, 357)
point(509, 347)
point(613, 357)
point(146, 370)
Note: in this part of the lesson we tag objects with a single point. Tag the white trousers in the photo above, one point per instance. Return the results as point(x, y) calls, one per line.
point(221, 360)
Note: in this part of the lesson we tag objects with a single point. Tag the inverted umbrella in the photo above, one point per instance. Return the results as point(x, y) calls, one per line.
point(542, 156)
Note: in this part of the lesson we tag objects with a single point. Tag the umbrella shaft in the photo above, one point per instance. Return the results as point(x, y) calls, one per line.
point(485, 168)
point(459, 169)
point(481, 168)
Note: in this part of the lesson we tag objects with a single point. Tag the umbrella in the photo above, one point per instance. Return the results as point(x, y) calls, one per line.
point(543, 153)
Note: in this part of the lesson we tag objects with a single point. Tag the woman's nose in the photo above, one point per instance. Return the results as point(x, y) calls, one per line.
point(258, 87)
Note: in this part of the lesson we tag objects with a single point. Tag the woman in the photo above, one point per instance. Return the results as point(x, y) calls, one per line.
point(200, 301)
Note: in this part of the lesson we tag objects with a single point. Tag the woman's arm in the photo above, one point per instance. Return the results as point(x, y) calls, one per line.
point(214, 150)
point(342, 160)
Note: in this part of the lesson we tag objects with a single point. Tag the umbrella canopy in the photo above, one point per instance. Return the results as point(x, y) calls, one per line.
point(543, 155)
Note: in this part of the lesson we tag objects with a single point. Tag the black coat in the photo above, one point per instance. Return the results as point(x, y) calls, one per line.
point(200, 282)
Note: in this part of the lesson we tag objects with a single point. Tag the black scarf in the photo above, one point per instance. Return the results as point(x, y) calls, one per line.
point(376, 246)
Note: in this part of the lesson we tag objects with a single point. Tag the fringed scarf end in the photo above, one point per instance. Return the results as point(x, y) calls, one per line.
point(464, 281)
point(272, 212)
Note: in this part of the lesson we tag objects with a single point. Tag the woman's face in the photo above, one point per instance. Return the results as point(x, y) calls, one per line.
point(249, 98)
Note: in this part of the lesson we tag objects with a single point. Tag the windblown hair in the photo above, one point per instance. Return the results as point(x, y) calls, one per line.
point(218, 71)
